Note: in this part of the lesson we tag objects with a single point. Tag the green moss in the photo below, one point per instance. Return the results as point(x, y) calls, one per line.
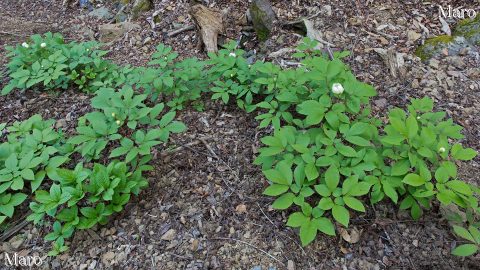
point(470, 29)
point(432, 45)
point(141, 6)
point(257, 18)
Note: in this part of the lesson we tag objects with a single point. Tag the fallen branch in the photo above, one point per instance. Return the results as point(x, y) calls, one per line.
point(13, 230)
point(181, 30)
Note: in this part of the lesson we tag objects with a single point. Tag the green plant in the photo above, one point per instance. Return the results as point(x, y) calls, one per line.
point(51, 63)
point(83, 197)
point(326, 154)
point(422, 161)
point(30, 153)
point(472, 235)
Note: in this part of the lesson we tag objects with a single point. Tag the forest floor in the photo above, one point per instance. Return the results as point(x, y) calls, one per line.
point(204, 212)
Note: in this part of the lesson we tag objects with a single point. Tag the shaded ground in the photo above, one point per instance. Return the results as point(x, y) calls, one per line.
point(215, 207)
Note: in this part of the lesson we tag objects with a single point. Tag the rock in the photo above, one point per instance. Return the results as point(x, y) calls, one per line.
point(112, 32)
point(413, 36)
point(290, 265)
point(169, 235)
point(446, 45)
point(434, 63)
point(470, 29)
point(381, 103)
point(141, 6)
point(241, 208)
point(262, 16)
point(107, 257)
point(121, 17)
point(61, 123)
point(83, 266)
point(16, 242)
point(101, 13)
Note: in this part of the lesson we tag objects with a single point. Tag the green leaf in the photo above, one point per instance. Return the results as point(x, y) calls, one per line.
point(354, 203)
point(314, 111)
point(463, 233)
point(465, 250)
point(284, 201)
point(460, 187)
point(412, 126)
point(311, 171)
point(341, 214)
point(332, 177)
point(177, 127)
point(28, 174)
point(346, 150)
point(358, 140)
point(324, 225)
point(413, 180)
point(296, 219)
point(400, 167)
point(460, 153)
point(390, 191)
point(17, 199)
point(275, 190)
point(308, 232)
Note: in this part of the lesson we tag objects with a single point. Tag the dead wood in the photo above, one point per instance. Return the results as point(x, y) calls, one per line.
point(210, 24)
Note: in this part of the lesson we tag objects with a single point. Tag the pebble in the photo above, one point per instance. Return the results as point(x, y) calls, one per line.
point(290, 265)
point(107, 257)
point(169, 235)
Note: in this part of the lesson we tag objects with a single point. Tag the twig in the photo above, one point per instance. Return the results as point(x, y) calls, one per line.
point(330, 54)
point(209, 148)
point(13, 230)
point(181, 30)
point(188, 145)
point(250, 245)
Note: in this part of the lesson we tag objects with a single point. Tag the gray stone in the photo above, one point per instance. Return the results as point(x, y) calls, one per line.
point(101, 13)
point(262, 16)
point(140, 6)
point(112, 32)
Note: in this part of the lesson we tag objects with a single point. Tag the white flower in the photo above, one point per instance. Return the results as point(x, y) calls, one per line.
point(232, 54)
point(25, 45)
point(113, 114)
point(118, 122)
point(441, 150)
point(231, 74)
point(337, 88)
point(43, 45)
point(418, 117)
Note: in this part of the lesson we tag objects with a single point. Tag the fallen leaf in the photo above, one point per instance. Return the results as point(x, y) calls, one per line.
point(351, 237)
point(241, 208)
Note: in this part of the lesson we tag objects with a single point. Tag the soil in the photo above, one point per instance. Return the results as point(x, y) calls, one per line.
point(205, 210)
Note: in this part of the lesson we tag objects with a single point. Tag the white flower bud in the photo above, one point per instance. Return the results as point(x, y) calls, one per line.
point(43, 45)
point(118, 122)
point(25, 45)
point(232, 54)
point(418, 117)
point(231, 75)
point(113, 114)
point(337, 88)
point(441, 150)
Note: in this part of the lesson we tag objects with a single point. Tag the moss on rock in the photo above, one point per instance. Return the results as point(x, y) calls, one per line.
point(433, 46)
point(470, 29)
point(141, 6)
